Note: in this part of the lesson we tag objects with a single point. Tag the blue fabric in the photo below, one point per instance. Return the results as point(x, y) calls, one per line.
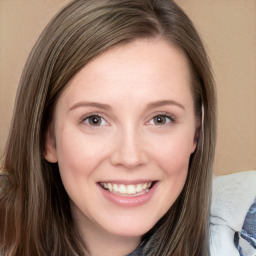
point(245, 240)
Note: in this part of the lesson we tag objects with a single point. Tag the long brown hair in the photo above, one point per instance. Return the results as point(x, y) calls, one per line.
point(35, 217)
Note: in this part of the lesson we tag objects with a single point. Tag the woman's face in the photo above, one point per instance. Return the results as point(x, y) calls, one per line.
point(123, 132)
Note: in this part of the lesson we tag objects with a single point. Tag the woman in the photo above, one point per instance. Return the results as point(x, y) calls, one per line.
point(88, 172)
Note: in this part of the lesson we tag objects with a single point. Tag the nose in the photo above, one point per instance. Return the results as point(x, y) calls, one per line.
point(129, 150)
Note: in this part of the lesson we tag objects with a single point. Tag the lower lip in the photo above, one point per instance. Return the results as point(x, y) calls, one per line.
point(129, 201)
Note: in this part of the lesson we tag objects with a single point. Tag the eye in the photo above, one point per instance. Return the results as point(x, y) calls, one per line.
point(95, 120)
point(161, 120)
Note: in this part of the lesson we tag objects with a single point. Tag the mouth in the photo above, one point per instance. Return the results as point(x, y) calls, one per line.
point(130, 190)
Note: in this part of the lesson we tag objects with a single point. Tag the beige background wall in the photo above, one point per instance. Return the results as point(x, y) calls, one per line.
point(229, 31)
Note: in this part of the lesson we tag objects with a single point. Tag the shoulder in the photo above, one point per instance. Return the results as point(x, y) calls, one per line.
point(233, 197)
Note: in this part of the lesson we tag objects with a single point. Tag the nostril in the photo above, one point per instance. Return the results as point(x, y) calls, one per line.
point(129, 159)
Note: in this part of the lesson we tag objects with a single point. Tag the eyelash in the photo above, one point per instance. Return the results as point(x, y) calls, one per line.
point(171, 118)
point(98, 116)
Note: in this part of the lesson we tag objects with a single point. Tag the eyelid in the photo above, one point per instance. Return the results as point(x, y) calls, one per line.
point(84, 118)
point(164, 114)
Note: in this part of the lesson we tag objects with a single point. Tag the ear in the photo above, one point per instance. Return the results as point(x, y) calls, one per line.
point(199, 130)
point(196, 136)
point(50, 153)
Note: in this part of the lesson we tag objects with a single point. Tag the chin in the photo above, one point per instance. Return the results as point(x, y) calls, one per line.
point(131, 228)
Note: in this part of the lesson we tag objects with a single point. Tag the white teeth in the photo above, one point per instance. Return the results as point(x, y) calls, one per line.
point(127, 189)
point(115, 188)
point(109, 186)
point(131, 189)
point(139, 188)
point(144, 186)
point(122, 189)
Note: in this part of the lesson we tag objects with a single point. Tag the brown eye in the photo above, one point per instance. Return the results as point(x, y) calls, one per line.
point(95, 120)
point(161, 119)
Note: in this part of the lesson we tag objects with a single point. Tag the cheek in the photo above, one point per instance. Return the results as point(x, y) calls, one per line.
point(173, 160)
point(79, 154)
point(173, 153)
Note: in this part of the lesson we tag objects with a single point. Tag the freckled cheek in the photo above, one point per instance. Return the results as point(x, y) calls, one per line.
point(173, 157)
point(80, 153)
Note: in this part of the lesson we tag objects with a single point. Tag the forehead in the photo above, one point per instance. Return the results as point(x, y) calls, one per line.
point(143, 67)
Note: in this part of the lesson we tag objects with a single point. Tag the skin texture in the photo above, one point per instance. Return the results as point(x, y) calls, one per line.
point(137, 81)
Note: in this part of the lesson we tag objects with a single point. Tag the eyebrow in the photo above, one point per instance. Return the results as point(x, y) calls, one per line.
point(90, 104)
point(164, 103)
point(155, 104)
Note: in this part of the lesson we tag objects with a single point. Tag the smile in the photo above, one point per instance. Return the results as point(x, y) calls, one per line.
point(127, 190)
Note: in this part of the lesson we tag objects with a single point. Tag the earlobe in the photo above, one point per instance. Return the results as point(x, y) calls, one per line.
point(50, 153)
point(199, 130)
point(194, 146)
point(195, 141)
